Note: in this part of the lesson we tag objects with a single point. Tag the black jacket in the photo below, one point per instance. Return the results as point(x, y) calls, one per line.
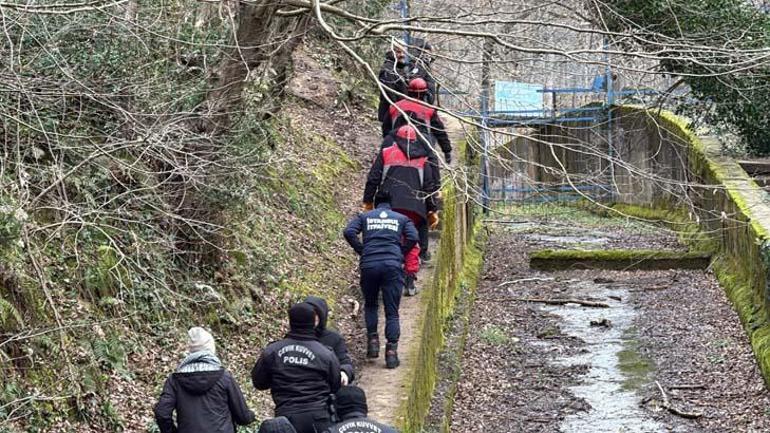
point(387, 237)
point(205, 402)
point(329, 338)
point(417, 69)
point(392, 77)
point(409, 191)
point(300, 373)
point(359, 423)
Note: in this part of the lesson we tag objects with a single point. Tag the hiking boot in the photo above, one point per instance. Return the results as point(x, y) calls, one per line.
point(425, 256)
point(391, 355)
point(373, 346)
point(409, 288)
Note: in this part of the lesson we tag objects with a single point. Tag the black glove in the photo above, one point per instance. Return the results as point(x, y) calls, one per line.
point(448, 157)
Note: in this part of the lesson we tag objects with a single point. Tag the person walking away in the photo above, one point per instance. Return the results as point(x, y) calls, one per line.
point(280, 424)
point(392, 77)
point(386, 236)
point(424, 117)
point(403, 169)
point(419, 66)
point(203, 394)
point(332, 339)
point(300, 372)
point(352, 407)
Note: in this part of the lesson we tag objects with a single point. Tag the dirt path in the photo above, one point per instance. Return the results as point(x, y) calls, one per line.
point(530, 367)
point(386, 389)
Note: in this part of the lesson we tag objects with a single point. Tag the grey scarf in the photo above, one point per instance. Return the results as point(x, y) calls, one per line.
point(199, 361)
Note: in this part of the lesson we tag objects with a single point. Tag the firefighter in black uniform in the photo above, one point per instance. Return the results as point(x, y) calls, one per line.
point(386, 238)
point(300, 373)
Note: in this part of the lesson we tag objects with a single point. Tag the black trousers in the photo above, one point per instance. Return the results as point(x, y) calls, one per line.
point(310, 422)
point(422, 231)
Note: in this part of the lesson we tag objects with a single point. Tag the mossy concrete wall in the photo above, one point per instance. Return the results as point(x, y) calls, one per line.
point(456, 262)
point(660, 164)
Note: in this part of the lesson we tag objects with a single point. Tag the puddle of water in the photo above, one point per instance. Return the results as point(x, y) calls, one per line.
point(565, 239)
point(616, 369)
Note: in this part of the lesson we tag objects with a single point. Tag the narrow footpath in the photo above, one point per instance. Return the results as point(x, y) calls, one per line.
point(386, 389)
point(647, 351)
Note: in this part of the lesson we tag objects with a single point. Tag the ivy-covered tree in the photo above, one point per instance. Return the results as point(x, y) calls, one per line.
point(715, 46)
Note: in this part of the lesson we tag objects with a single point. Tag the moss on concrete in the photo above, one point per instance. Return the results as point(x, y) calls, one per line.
point(736, 217)
point(457, 263)
point(618, 259)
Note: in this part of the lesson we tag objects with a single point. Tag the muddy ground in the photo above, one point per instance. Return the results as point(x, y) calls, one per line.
point(530, 367)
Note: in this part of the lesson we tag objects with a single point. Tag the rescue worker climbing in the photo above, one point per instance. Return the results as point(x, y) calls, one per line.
point(419, 66)
point(404, 169)
point(392, 76)
point(425, 118)
point(203, 394)
point(300, 372)
point(386, 237)
point(332, 339)
point(353, 410)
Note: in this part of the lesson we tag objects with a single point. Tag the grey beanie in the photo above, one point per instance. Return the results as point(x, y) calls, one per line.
point(199, 340)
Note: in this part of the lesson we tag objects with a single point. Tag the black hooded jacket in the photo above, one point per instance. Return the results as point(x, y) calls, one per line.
point(300, 372)
point(392, 78)
point(411, 186)
point(205, 402)
point(330, 338)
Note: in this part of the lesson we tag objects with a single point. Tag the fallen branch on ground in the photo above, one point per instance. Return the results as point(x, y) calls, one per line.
point(524, 280)
point(687, 386)
point(667, 405)
point(592, 304)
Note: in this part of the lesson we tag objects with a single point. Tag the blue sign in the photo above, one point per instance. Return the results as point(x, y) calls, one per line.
point(519, 99)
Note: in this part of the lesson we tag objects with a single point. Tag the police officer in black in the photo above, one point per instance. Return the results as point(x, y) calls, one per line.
point(300, 373)
point(387, 237)
point(352, 408)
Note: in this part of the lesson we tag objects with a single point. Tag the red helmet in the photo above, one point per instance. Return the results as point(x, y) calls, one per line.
point(407, 132)
point(418, 85)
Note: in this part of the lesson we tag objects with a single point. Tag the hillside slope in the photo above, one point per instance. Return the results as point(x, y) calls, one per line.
point(90, 351)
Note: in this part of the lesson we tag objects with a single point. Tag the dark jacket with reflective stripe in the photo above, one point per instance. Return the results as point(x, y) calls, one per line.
point(423, 116)
point(387, 237)
point(404, 171)
point(300, 373)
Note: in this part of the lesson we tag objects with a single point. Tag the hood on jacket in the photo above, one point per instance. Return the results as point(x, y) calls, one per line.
point(412, 148)
point(321, 308)
point(199, 383)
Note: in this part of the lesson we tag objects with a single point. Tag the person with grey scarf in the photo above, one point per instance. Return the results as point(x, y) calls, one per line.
point(203, 394)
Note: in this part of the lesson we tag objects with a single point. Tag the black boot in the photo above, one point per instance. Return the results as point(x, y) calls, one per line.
point(391, 355)
point(425, 256)
point(373, 346)
point(409, 288)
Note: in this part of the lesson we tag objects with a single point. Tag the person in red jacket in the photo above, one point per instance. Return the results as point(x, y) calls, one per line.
point(403, 168)
point(425, 118)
